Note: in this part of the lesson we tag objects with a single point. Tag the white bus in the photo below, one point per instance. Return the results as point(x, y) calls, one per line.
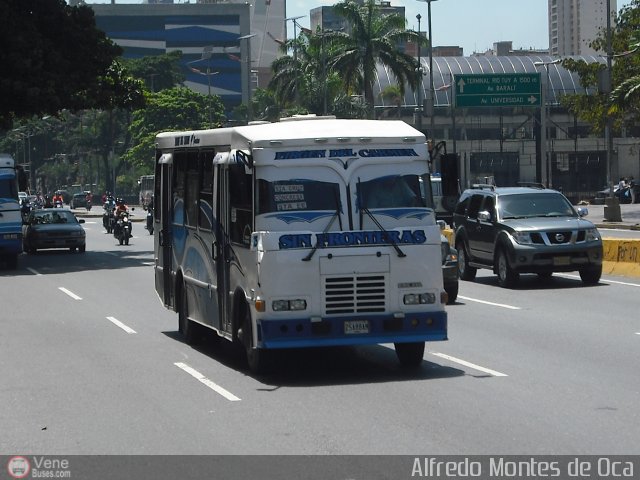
point(302, 233)
point(145, 196)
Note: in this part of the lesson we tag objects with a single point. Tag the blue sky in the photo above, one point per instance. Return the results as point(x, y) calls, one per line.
point(472, 24)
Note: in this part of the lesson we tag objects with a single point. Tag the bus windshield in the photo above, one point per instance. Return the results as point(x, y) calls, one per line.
point(297, 194)
point(392, 191)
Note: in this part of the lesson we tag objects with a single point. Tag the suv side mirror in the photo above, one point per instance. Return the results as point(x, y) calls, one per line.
point(484, 216)
point(441, 224)
point(583, 211)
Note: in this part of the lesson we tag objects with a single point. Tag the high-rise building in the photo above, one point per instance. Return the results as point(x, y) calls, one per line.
point(574, 24)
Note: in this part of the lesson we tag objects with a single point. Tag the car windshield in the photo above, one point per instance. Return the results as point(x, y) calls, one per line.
point(60, 216)
point(534, 205)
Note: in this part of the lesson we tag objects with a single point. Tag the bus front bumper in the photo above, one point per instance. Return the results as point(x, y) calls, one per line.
point(352, 330)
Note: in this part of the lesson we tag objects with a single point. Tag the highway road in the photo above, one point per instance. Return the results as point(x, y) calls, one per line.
point(92, 363)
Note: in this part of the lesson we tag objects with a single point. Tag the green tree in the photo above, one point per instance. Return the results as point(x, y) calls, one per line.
point(373, 40)
point(158, 72)
point(171, 109)
point(53, 57)
point(623, 105)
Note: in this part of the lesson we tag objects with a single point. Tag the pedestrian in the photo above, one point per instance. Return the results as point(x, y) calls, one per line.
point(632, 189)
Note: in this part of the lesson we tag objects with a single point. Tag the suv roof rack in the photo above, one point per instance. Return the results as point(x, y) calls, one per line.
point(484, 186)
point(531, 185)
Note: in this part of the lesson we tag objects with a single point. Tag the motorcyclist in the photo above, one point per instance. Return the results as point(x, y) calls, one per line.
point(121, 207)
point(57, 198)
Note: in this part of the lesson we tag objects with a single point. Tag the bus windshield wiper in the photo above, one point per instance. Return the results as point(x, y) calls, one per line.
point(382, 229)
point(375, 220)
point(336, 214)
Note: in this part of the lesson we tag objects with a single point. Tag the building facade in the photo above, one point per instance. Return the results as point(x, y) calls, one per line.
point(214, 56)
point(574, 24)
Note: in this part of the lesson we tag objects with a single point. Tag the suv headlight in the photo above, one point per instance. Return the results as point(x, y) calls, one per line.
point(523, 238)
point(592, 235)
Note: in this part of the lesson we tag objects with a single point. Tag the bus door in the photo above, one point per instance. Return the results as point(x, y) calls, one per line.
point(162, 238)
point(221, 248)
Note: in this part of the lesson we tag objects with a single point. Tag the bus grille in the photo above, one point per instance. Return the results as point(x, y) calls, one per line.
point(359, 294)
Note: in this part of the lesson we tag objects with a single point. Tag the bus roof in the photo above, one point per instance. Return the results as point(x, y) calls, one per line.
point(294, 132)
point(329, 130)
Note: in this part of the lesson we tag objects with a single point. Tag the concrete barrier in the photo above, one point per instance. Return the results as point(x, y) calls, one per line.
point(620, 256)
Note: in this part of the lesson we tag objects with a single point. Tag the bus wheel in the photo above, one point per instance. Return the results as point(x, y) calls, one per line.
point(259, 360)
point(410, 354)
point(187, 328)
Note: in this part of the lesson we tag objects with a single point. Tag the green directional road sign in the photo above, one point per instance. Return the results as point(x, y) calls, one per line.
point(498, 90)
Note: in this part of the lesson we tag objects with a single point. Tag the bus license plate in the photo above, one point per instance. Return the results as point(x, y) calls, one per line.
point(562, 260)
point(356, 326)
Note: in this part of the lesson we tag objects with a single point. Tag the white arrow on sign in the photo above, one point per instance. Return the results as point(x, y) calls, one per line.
point(532, 99)
point(461, 84)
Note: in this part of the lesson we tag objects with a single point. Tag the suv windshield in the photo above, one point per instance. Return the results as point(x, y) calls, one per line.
point(534, 205)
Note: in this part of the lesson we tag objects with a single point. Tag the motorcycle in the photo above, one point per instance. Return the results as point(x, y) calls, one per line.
point(108, 220)
point(58, 204)
point(149, 225)
point(122, 228)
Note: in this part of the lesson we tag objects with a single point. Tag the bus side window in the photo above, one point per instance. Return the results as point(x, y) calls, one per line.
point(180, 171)
point(192, 190)
point(240, 200)
point(205, 216)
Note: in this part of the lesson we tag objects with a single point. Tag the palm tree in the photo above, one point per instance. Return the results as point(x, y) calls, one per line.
point(373, 39)
point(393, 94)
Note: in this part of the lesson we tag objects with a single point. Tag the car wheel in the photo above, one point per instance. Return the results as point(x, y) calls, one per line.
point(12, 262)
point(465, 271)
point(259, 360)
point(188, 328)
point(452, 293)
point(507, 277)
point(591, 275)
point(410, 354)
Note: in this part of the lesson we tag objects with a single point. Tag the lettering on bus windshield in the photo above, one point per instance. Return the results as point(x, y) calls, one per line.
point(346, 152)
point(289, 197)
point(349, 239)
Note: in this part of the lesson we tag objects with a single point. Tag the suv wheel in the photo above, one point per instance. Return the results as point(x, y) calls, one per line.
point(466, 272)
point(507, 277)
point(591, 275)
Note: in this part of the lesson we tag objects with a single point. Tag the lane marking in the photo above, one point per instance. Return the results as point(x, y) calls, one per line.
point(70, 293)
point(469, 364)
point(567, 275)
point(510, 307)
point(34, 271)
point(212, 385)
point(118, 323)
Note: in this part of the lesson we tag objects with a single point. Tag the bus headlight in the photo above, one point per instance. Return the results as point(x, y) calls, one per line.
point(419, 298)
point(288, 305)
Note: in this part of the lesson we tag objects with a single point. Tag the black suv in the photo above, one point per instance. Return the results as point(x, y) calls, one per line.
point(513, 230)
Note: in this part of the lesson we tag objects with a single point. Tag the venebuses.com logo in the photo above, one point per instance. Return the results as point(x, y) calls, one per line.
point(18, 467)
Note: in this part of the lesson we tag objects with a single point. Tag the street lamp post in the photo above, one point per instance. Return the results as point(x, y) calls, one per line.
point(545, 167)
point(612, 205)
point(431, 89)
point(206, 55)
point(248, 53)
point(295, 46)
point(418, 111)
